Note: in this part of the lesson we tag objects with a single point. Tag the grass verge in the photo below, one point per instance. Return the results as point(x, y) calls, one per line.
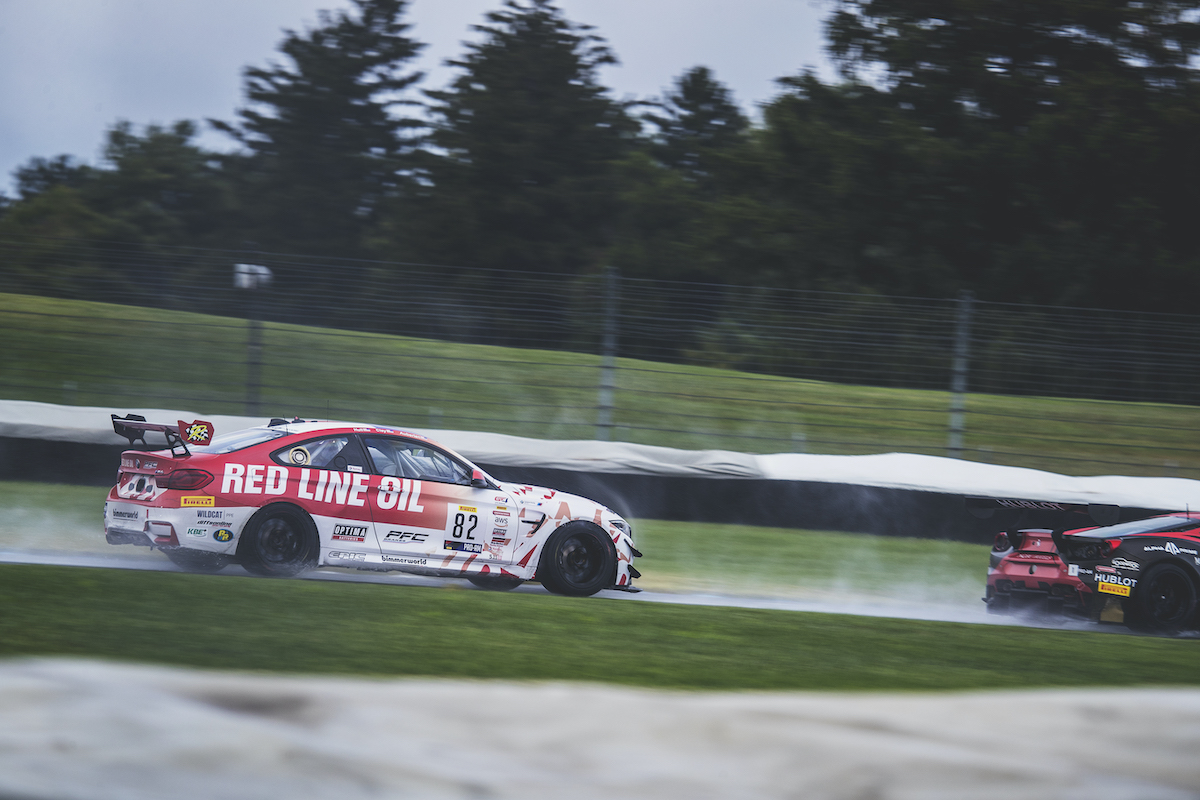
point(364, 629)
point(102, 354)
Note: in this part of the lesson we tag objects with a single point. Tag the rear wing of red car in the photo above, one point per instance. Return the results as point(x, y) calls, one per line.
point(986, 507)
point(134, 428)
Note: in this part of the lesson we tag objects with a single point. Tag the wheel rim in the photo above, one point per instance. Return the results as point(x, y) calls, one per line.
point(279, 542)
point(1169, 598)
point(580, 559)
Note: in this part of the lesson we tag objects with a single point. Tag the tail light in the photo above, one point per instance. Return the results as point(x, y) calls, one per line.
point(1001, 542)
point(187, 479)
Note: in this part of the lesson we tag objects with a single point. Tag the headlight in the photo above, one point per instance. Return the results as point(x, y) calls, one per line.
point(622, 526)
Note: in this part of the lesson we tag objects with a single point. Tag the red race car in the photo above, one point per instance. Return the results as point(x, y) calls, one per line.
point(294, 495)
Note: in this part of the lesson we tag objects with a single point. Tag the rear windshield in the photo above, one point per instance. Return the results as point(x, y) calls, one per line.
point(1152, 525)
point(239, 440)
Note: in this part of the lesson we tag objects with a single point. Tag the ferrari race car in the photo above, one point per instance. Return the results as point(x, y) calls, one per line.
point(293, 495)
point(1145, 573)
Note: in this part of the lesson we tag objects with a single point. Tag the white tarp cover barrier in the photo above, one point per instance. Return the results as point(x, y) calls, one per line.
point(29, 420)
point(79, 730)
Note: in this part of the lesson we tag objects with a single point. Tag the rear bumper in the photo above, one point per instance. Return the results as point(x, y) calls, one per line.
point(1058, 598)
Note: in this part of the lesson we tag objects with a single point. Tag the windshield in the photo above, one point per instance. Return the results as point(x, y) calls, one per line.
point(1152, 525)
point(239, 440)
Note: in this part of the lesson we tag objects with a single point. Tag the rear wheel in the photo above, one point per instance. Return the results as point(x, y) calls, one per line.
point(279, 542)
point(578, 560)
point(198, 560)
point(495, 583)
point(1164, 600)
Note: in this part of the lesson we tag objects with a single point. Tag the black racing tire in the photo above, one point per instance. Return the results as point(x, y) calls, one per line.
point(578, 560)
point(1163, 601)
point(495, 583)
point(278, 542)
point(198, 560)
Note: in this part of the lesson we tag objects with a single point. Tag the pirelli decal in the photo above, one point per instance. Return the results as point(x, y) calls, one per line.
point(1112, 588)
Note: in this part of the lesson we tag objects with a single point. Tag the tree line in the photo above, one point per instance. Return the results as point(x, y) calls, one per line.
point(1039, 152)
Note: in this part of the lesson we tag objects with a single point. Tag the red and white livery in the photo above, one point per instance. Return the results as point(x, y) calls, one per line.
point(294, 495)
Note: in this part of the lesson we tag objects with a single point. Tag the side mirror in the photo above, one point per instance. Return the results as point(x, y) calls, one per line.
point(477, 479)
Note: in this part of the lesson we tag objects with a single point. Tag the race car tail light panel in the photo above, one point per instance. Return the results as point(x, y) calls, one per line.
point(188, 480)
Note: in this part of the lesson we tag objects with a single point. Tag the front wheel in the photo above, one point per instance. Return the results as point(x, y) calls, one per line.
point(1164, 600)
point(279, 542)
point(578, 560)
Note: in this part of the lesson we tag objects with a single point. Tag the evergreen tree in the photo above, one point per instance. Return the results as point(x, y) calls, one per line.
point(1007, 62)
point(527, 141)
point(697, 120)
point(324, 139)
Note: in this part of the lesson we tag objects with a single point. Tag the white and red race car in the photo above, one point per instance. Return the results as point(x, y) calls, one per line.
point(293, 495)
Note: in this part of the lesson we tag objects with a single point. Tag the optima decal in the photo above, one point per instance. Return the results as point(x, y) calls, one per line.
point(349, 533)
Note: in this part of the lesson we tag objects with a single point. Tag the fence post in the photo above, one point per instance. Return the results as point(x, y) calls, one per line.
point(958, 379)
point(608, 358)
point(253, 363)
point(254, 278)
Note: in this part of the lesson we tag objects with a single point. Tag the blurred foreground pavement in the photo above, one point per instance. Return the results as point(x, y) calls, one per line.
point(83, 729)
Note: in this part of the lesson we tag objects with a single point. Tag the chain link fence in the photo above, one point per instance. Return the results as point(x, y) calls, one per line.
point(1080, 391)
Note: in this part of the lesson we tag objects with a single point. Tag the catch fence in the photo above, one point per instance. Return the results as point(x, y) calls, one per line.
point(1080, 391)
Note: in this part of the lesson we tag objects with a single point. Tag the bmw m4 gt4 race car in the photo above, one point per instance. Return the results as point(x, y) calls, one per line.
point(293, 495)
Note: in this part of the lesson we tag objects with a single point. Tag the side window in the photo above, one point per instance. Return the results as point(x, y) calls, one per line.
point(414, 460)
point(340, 453)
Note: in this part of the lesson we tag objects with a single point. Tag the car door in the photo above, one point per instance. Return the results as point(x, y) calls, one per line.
point(330, 477)
point(426, 512)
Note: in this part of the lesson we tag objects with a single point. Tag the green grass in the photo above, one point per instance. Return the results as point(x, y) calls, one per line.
point(776, 562)
point(366, 629)
point(119, 356)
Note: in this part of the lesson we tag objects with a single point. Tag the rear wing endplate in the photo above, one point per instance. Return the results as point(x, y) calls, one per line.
point(134, 428)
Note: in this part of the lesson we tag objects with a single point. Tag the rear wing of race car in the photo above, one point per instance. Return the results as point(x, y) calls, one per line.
point(987, 507)
point(134, 428)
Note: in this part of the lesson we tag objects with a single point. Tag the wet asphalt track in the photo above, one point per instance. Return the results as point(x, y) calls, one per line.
point(857, 606)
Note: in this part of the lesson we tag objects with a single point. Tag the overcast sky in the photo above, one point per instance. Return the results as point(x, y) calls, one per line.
point(70, 68)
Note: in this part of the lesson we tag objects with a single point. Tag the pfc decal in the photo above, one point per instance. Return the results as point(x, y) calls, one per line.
point(348, 556)
point(196, 532)
point(223, 535)
point(349, 533)
point(466, 547)
point(191, 501)
point(412, 562)
point(398, 537)
point(1125, 563)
